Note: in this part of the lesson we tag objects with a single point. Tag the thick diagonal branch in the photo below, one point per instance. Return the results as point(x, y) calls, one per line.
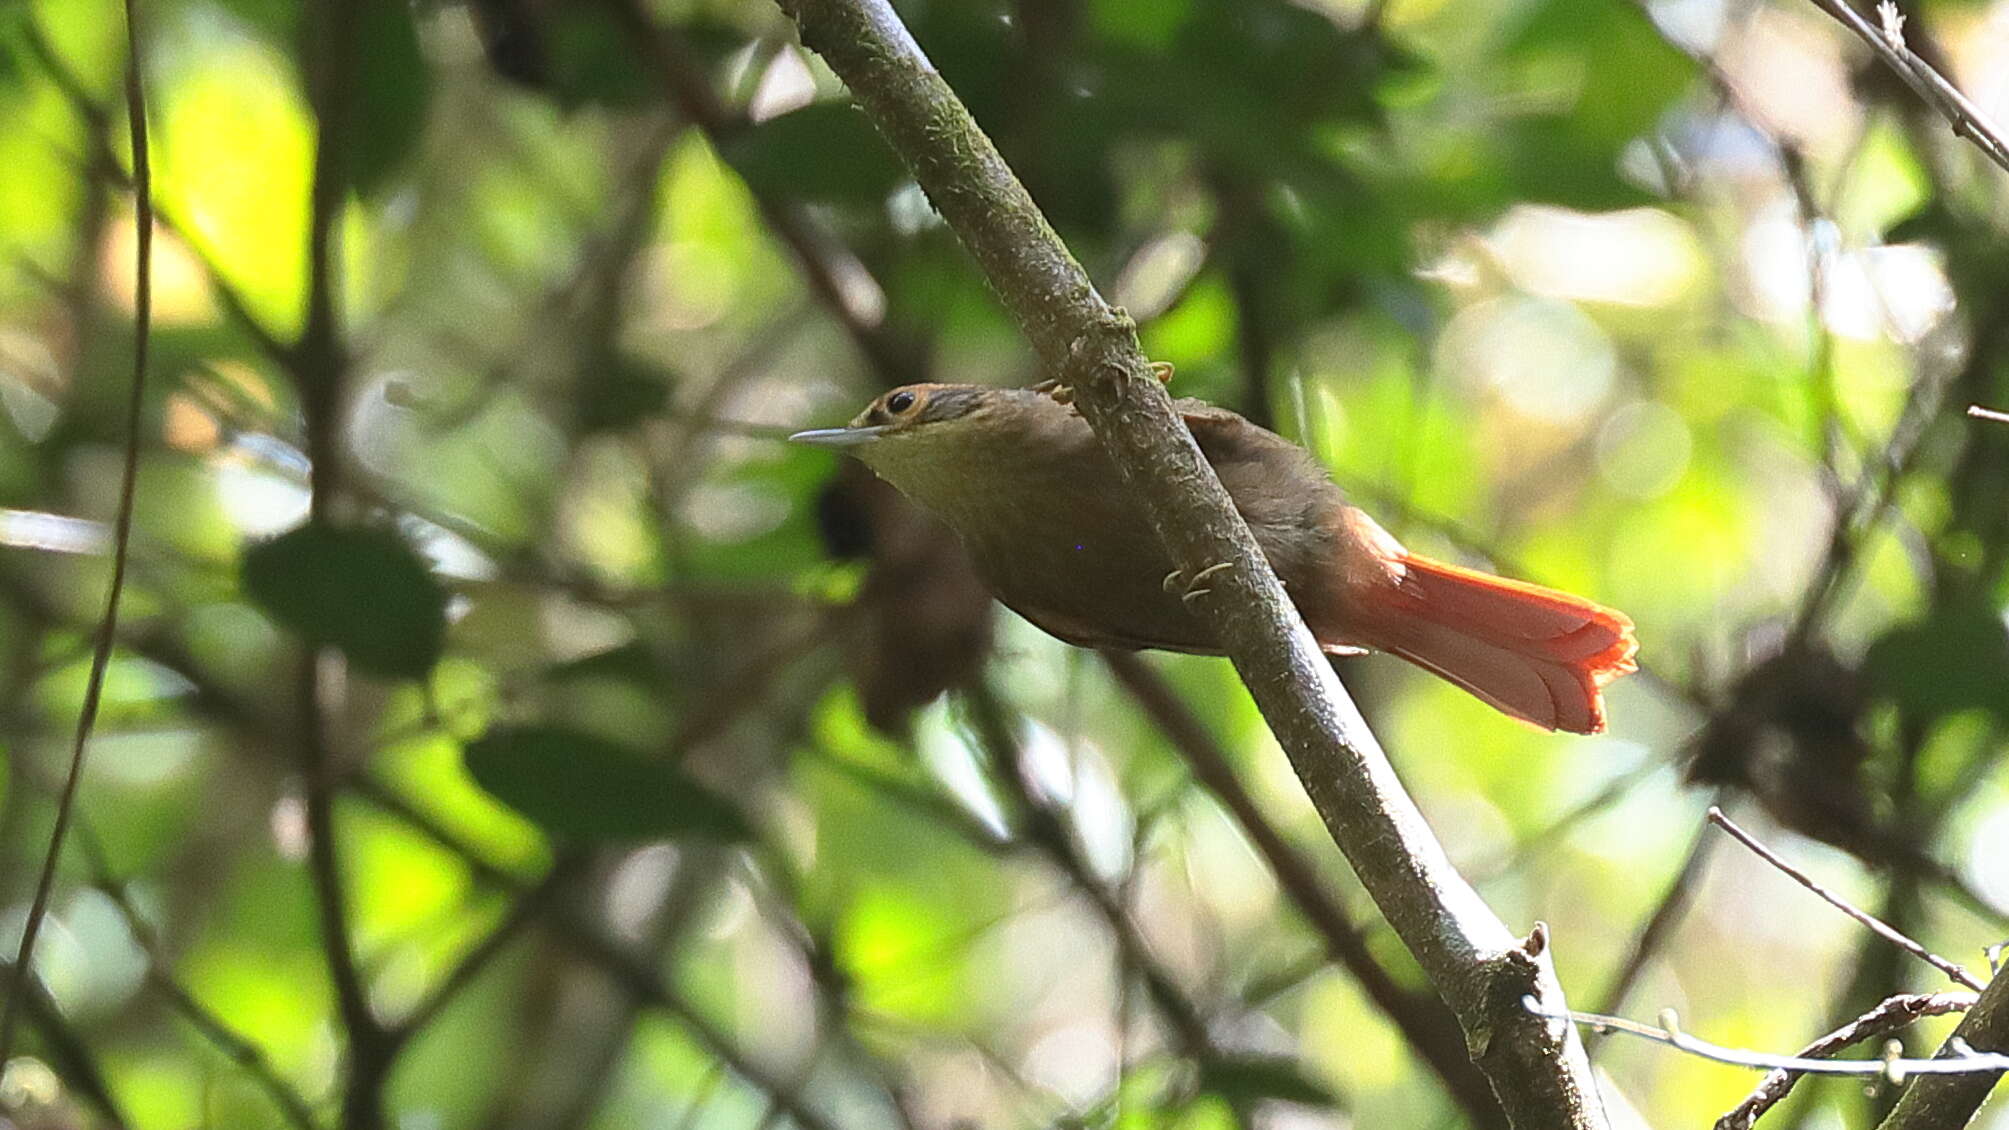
point(1476, 963)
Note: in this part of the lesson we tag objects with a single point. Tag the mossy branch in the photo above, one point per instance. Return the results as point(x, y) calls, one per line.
point(1479, 967)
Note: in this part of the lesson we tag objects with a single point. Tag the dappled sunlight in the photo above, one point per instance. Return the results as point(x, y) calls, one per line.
point(1543, 358)
point(1642, 257)
point(673, 774)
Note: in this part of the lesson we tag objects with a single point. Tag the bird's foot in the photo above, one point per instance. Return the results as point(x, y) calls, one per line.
point(1195, 588)
point(1064, 394)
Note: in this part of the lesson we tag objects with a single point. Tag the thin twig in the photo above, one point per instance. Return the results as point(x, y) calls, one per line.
point(1888, 43)
point(66, 1050)
point(1660, 925)
point(320, 364)
point(1557, 831)
point(1892, 1067)
point(235, 1047)
point(1041, 826)
point(1869, 921)
point(100, 159)
point(1949, 1101)
point(122, 528)
point(825, 265)
point(633, 971)
point(1890, 1016)
point(1980, 413)
point(521, 913)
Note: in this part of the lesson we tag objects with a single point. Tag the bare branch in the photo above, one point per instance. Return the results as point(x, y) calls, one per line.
point(122, 528)
point(526, 908)
point(1475, 962)
point(1948, 1101)
point(823, 263)
point(1869, 921)
point(1887, 43)
point(235, 1047)
point(65, 1049)
point(1980, 413)
point(1042, 828)
point(320, 364)
point(1892, 1067)
point(1888, 1017)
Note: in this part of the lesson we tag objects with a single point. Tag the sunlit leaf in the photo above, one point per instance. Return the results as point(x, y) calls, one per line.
point(234, 145)
point(582, 787)
point(360, 590)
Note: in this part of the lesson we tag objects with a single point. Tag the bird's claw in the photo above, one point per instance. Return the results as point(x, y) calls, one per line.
point(1196, 587)
point(1052, 387)
point(1062, 394)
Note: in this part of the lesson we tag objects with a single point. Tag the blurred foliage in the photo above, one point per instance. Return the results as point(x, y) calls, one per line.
point(678, 776)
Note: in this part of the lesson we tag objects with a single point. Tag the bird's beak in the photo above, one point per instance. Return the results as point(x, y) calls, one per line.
point(839, 437)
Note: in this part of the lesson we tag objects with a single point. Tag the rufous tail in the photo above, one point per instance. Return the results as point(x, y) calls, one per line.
point(1535, 653)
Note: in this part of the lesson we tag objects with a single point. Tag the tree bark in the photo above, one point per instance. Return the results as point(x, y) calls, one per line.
point(1536, 1067)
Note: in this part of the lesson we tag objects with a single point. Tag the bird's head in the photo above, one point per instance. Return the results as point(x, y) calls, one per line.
point(914, 427)
point(942, 445)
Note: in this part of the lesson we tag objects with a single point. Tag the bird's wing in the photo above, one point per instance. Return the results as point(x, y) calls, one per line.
point(1228, 437)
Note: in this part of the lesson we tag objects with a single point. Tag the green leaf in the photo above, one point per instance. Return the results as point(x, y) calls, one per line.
point(593, 61)
point(394, 88)
point(633, 662)
point(1956, 659)
point(277, 21)
point(1616, 77)
point(1252, 1078)
point(621, 393)
point(363, 591)
point(582, 787)
point(826, 152)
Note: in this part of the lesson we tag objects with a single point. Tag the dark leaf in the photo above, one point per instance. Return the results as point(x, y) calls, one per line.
point(393, 89)
point(621, 393)
point(277, 20)
point(360, 590)
point(14, 55)
point(1251, 1078)
point(581, 787)
point(513, 37)
point(826, 152)
point(1955, 659)
point(1614, 75)
point(593, 60)
point(632, 662)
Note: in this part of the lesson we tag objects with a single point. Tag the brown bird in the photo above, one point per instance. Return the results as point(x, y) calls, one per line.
point(1055, 534)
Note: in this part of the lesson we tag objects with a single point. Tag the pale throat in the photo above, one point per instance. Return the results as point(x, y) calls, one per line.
point(965, 475)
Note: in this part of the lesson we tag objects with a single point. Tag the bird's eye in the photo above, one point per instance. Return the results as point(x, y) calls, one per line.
point(898, 403)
